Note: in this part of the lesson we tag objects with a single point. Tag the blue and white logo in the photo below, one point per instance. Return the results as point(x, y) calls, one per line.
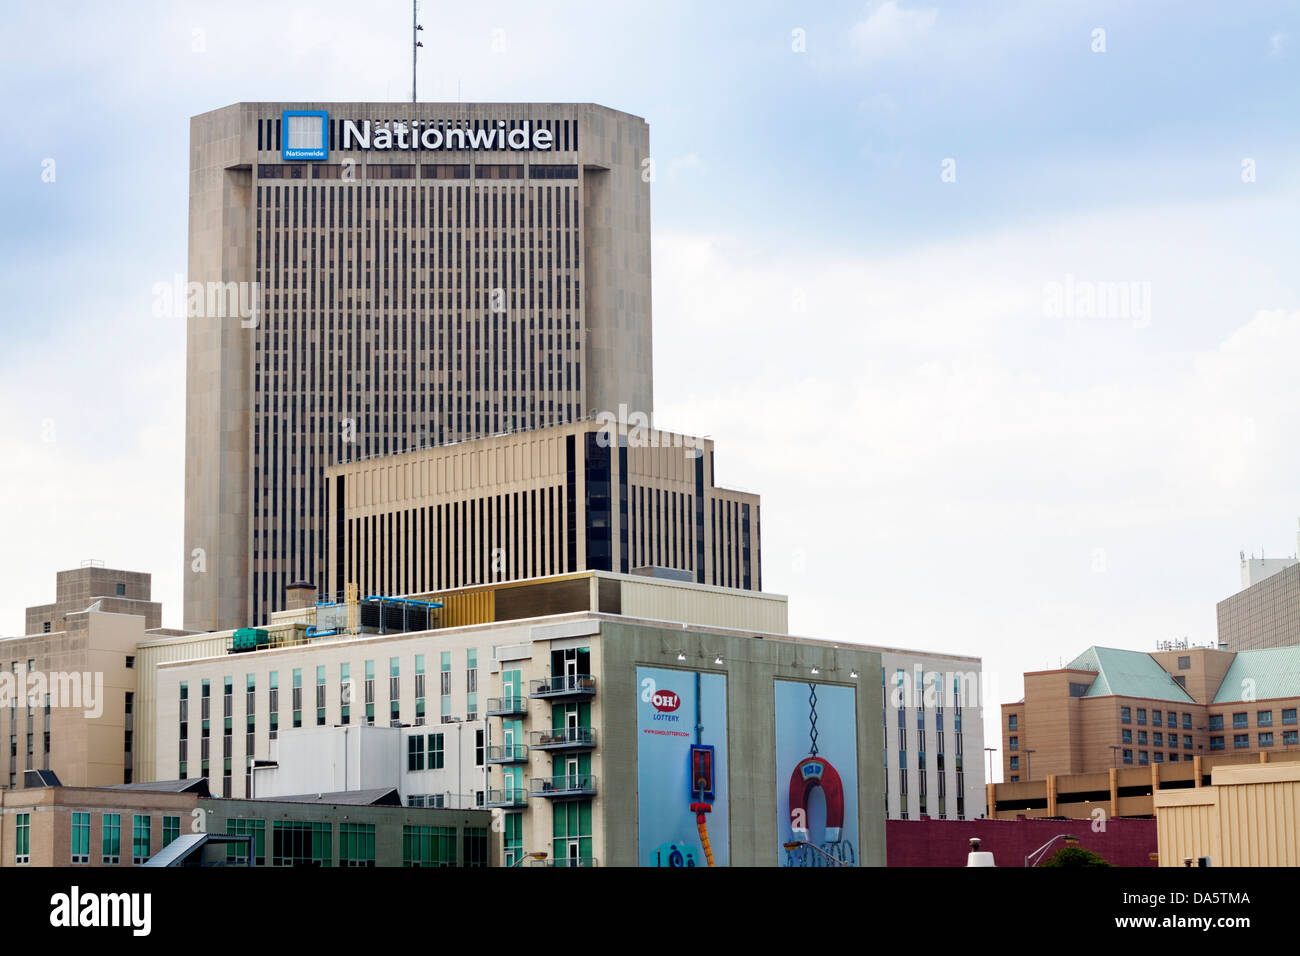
point(306, 134)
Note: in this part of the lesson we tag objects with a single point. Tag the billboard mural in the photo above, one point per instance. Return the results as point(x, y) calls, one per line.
point(681, 724)
point(816, 773)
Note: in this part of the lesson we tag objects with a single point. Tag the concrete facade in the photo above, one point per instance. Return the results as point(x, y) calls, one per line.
point(1266, 614)
point(524, 750)
point(404, 298)
point(542, 502)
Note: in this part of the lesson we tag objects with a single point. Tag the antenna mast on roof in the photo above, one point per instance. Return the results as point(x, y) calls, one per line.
point(415, 44)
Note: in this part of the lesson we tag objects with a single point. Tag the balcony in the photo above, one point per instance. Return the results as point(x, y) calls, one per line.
point(564, 786)
point(509, 798)
point(514, 706)
point(563, 686)
point(570, 861)
point(507, 753)
point(564, 738)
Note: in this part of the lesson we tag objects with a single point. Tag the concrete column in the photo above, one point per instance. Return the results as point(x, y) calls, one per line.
point(1196, 769)
point(1114, 791)
point(1051, 794)
point(991, 798)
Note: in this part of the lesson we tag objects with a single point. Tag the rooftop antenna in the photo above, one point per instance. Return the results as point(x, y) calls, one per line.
point(415, 44)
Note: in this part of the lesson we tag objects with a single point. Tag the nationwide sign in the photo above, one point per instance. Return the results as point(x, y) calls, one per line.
point(306, 136)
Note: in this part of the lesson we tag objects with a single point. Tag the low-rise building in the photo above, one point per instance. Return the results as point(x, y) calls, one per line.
point(45, 825)
point(1245, 817)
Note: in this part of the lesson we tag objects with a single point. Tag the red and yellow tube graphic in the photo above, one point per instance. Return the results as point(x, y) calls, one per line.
point(702, 825)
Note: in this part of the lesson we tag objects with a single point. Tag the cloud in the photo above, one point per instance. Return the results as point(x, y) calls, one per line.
point(890, 31)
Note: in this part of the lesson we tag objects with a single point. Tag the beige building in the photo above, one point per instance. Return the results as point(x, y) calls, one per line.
point(375, 278)
point(589, 495)
point(1247, 816)
point(69, 688)
point(92, 584)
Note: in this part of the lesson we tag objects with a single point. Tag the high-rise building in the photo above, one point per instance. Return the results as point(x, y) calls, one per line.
point(367, 279)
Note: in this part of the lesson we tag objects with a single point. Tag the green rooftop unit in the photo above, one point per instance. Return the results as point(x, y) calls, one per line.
point(250, 639)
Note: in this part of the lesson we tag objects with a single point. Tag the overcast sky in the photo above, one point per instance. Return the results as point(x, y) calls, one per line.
point(878, 232)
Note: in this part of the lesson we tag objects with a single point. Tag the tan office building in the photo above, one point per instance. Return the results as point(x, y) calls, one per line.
point(578, 497)
point(375, 278)
point(1112, 708)
point(69, 692)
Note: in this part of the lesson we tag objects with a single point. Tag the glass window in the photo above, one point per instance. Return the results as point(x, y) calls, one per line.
point(111, 838)
point(1142, 715)
point(1187, 722)
point(171, 829)
point(1216, 721)
point(435, 751)
point(1291, 737)
point(428, 846)
point(1239, 720)
point(302, 843)
point(1013, 743)
point(1013, 722)
point(1156, 718)
point(1263, 718)
point(1015, 763)
point(356, 844)
point(1240, 740)
point(1216, 743)
point(1126, 735)
point(1266, 738)
point(1127, 756)
point(140, 825)
point(80, 837)
point(1288, 715)
point(247, 827)
point(1125, 715)
point(415, 752)
point(22, 837)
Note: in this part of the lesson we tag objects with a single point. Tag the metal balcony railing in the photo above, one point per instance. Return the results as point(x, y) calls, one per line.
point(563, 685)
point(507, 753)
point(571, 861)
point(513, 706)
point(508, 797)
point(564, 785)
point(564, 738)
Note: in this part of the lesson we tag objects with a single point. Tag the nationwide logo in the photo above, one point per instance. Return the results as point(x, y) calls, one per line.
point(436, 135)
point(306, 135)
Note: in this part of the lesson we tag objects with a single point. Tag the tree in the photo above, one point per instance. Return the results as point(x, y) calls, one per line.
point(1075, 856)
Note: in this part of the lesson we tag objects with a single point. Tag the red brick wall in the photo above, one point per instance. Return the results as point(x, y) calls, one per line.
point(947, 842)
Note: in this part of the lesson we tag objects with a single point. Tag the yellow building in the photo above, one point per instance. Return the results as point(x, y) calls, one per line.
point(1248, 816)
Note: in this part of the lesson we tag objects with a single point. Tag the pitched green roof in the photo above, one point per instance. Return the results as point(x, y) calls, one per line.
point(1128, 674)
point(1261, 675)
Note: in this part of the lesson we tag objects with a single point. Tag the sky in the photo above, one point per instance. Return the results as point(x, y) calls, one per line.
point(995, 304)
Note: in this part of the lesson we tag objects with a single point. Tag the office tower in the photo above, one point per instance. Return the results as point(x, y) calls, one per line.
point(367, 279)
